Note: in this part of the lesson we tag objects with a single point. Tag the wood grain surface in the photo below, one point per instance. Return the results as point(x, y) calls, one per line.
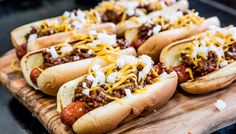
point(184, 114)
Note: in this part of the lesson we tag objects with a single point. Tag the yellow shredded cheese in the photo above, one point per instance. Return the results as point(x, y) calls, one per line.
point(216, 41)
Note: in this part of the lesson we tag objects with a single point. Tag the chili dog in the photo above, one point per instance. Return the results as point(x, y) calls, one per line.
point(103, 99)
point(204, 62)
point(47, 69)
point(56, 30)
point(153, 35)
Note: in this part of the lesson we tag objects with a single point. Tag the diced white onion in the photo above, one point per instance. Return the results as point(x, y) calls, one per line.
point(66, 49)
point(146, 60)
point(53, 52)
point(220, 105)
point(107, 39)
point(72, 15)
point(90, 77)
point(131, 6)
point(84, 85)
point(100, 78)
point(223, 63)
point(77, 25)
point(112, 77)
point(90, 51)
point(128, 92)
point(80, 14)
point(66, 14)
point(86, 91)
point(96, 67)
point(93, 32)
point(140, 12)
point(142, 74)
point(156, 29)
point(32, 37)
point(120, 62)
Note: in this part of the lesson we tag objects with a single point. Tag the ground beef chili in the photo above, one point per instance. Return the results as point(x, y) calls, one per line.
point(100, 97)
point(122, 43)
point(39, 32)
point(231, 53)
point(145, 31)
point(111, 16)
point(76, 54)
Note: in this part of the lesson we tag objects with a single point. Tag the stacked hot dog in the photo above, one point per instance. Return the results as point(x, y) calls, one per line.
point(108, 64)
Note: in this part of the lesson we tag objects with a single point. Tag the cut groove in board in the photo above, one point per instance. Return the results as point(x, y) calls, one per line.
point(184, 113)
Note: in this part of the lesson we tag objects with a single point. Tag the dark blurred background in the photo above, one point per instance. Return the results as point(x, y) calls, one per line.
point(14, 117)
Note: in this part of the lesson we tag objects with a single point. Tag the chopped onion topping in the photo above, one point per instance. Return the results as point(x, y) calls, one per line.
point(90, 51)
point(84, 85)
point(90, 77)
point(126, 59)
point(156, 29)
point(93, 32)
point(223, 63)
point(112, 77)
point(146, 60)
point(32, 37)
point(130, 7)
point(128, 92)
point(86, 91)
point(66, 49)
point(100, 78)
point(66, 14)
point(107, 39)
point(220, 105)
point(142, 74)
point(77, 25)
point(96, 67)
point(53, 52)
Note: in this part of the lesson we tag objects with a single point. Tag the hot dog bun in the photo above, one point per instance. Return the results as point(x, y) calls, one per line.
point(204, 84)
point(18, 35)
point(52, 78)
point(156, 43)
point(47, 41)
point(129, 24)
point(108, 117)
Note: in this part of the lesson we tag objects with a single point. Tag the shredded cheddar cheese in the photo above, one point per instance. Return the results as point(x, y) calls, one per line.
point(127, 74)
point(216, 40)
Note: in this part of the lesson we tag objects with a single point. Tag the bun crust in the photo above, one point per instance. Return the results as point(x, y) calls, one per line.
point(156, 43)
point(50, 80)
point(204, 84)
point(47, 41)
point(108, 117)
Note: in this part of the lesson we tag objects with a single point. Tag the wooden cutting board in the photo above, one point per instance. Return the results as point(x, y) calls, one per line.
point(184, 114)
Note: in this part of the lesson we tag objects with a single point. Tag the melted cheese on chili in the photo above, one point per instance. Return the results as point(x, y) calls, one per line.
point(216, 40)
point(117, 73)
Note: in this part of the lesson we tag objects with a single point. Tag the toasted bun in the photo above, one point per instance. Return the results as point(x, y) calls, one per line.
point(129, 24)
point(108, 117)
point(156, 43)
point(204, 84)
point(52, 78)
point(47, 41)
